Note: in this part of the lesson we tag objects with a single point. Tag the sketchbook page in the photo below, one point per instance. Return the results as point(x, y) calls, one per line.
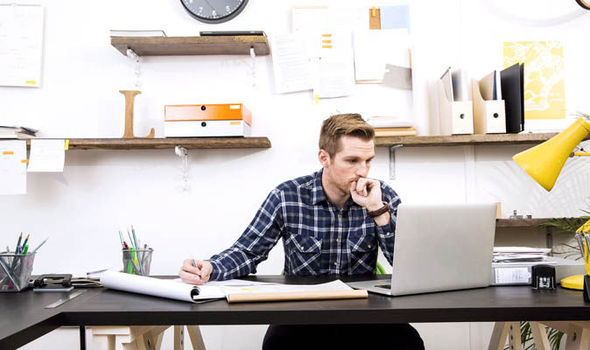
point(237, 283)
point(47, 156)
point(13, 167)
point(21, 44)
point(231, 283)
point(158, 287)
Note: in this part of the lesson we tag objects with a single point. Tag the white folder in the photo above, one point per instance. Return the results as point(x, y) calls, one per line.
point(489, 115)
point(456, 117)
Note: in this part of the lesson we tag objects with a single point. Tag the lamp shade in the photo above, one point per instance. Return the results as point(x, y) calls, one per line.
point(545, 161)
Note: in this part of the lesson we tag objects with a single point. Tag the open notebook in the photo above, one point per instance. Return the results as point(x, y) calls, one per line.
point(234, 291)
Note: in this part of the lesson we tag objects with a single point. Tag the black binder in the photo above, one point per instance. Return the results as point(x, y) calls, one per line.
point(512, 81)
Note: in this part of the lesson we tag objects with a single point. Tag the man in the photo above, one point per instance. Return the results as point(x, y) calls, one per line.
point(332, 223)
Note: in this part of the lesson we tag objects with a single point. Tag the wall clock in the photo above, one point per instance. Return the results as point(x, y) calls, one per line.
point(214, 11)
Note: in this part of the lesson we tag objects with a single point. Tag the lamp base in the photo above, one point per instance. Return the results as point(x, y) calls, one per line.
point(575, 282)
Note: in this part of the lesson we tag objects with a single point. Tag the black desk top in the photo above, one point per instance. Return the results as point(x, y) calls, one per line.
point(24, 317)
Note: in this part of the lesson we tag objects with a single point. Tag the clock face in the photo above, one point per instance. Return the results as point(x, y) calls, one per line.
point(214, 11)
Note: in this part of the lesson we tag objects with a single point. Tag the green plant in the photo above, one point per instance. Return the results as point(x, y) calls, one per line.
point(567, 225)
point(526, 337)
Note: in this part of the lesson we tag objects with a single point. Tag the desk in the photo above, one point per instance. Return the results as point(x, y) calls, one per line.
point(23, 317)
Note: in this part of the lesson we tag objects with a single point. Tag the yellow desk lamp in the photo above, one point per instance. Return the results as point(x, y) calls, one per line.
point(544, 163)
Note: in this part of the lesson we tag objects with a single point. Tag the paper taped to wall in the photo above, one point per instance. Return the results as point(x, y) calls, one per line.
point(13, 167)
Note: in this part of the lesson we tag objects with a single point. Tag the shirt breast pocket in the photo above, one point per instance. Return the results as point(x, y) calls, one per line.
point(363, 252)
point(304, 255)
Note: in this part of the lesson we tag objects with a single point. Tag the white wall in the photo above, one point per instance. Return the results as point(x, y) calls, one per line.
point(101, 191)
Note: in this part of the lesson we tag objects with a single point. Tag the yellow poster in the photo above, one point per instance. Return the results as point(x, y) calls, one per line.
point(544, 77)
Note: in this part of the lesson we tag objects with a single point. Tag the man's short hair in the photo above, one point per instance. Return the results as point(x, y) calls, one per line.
point(338, 125)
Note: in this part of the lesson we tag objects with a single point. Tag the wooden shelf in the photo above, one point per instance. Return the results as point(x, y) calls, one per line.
point(167, 143)
point(520, 222)
point(192, 45)
point(457, 140)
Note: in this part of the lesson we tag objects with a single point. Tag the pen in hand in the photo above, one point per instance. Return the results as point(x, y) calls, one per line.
point(195, 265)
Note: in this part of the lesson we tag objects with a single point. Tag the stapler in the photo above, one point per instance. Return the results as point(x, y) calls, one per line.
point(52, 283)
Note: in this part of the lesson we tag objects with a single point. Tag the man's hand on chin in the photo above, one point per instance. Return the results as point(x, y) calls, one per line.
point(366, 193)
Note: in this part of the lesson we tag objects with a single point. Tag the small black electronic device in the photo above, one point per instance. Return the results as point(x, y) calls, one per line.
point(214, 11)
point(587, 288)
point(233, 33)
point(52, 283)
point(543, 276)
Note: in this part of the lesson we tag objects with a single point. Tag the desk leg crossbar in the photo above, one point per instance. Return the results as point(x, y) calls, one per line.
point(577, 333)
point(143, 337)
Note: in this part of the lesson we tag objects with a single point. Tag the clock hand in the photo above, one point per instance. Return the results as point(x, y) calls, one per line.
point(208, 3)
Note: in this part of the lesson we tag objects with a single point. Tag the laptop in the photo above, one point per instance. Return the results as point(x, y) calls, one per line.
point(439, 248)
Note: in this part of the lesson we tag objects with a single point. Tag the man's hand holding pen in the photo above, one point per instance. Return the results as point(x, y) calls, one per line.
point(195, 271)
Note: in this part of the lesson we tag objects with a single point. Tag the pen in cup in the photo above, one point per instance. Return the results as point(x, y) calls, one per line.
point(121, 238)
point(40, 245)
point(20, 237)
point(24, 244)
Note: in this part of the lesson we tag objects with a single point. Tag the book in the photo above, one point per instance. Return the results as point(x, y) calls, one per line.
point(137, 33)
point(234, 291)
point(388, 122)
point(395, 131)
point(401, 128)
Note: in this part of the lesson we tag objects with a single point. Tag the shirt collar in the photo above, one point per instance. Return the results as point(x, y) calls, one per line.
point(318, 194)
point(317, 190)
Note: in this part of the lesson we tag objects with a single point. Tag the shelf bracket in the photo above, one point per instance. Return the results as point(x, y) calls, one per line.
point(549, 237)
point(182, 153)
point(253, 66)
point(392, 161)
point(137, 72)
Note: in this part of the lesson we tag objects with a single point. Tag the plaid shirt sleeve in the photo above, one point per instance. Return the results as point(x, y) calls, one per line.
point(254, 244)
point(386, 233)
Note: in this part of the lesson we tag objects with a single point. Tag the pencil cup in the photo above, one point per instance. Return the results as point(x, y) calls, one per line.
point(137, 261)
point(15, 271)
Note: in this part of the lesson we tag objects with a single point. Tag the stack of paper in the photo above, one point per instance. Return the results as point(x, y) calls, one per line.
point(519, 254)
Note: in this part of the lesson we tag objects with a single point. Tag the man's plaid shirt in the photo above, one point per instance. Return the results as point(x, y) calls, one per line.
point(319, 238)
